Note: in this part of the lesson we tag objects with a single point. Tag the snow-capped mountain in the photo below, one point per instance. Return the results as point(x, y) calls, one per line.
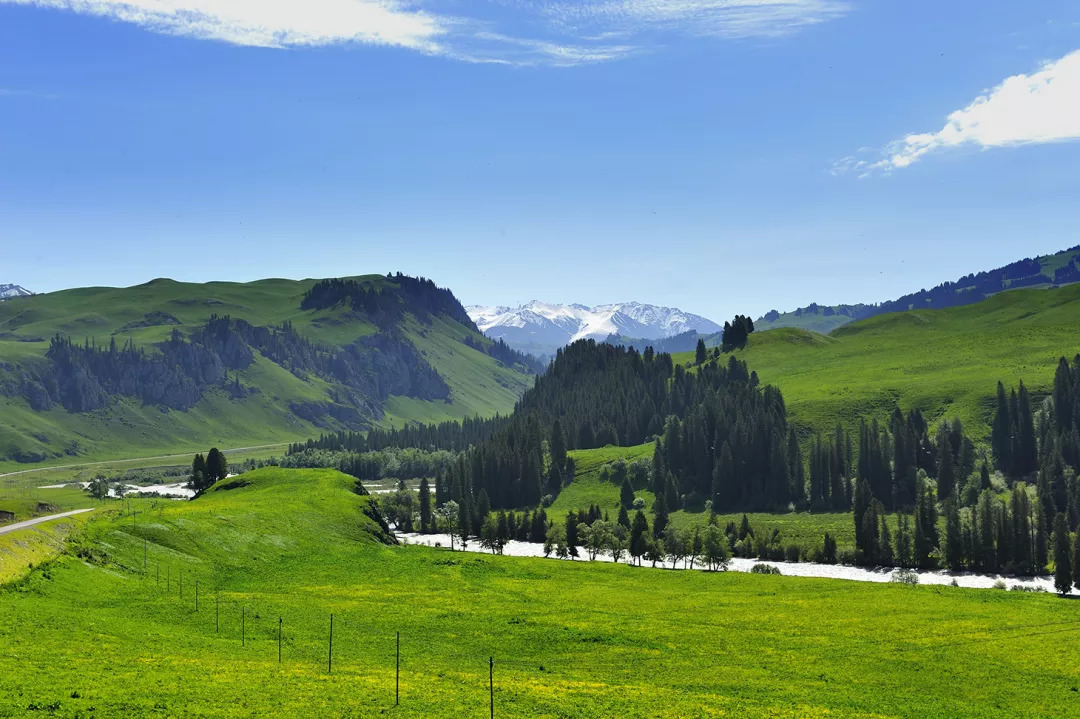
point(541, 328)
point(7, 291)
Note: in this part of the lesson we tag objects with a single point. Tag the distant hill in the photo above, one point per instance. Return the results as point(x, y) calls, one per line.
point(684, 342)
point(944, 362)
point(1055, 270)
point(105, 373)
point(9, 291)
point(541, 328)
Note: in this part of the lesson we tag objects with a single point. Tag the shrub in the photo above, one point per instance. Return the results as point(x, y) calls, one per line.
point(1034, 589)
point(764, 569)
point(792, 553)
point(1000, 584)
point(906, 576)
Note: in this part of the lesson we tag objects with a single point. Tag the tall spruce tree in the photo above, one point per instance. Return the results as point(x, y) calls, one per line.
point(1063, 578)
point(425, 506)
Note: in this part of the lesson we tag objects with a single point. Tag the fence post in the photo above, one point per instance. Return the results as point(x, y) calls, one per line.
point(491, 684)
point(397, 671)
point(330, 656)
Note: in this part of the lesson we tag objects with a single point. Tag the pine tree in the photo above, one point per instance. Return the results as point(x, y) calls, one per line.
point(1001, 432)
point(638, 536)
point(1076, 561)
point(217, 467)
point(1063, 578)
point(946, 477)
point(954, 547)
point(626, 494)
point(700, 353)
point(660, 516)
point(558, 444)
point(425, 506)
point(572, 533)
point(198, 473)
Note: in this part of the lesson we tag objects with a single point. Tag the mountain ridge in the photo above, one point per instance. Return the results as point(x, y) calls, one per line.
point(10, 290)
point(1054, 270)
point(541, 327)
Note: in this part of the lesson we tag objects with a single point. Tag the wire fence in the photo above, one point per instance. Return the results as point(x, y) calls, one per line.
point(276, 629)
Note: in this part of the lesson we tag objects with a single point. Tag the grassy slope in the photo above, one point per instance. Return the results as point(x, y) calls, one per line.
point(816, 321)
point(802, 528)
point(945, 362)
point(479, 384)
point(569, 639)
point(588, 489)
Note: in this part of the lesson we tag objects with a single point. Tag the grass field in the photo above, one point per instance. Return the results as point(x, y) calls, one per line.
point(99, 635)
point(945, 362)
point(127, 428)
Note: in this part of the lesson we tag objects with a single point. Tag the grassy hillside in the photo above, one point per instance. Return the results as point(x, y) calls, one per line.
point(96, 633)
point(944, 362)
point(148, 314)
point(1058, 269)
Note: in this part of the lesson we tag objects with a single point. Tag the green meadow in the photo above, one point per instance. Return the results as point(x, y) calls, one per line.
point(101, 631)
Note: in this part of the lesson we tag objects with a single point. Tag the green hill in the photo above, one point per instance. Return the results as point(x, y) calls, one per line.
point(1058, 269)
point(106, 630)
point(394, 350)
point(944, 362)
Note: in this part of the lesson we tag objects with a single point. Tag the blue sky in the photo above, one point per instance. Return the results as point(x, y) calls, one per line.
point(721, 156)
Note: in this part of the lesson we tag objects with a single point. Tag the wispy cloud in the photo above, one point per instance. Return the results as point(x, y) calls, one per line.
point(520, 32)
point(702, 18)
point(1024, 109)
point(13, 92)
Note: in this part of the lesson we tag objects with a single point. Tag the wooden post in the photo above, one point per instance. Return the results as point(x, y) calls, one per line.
point(491, 684)
point(330, 656)
point(397, 671)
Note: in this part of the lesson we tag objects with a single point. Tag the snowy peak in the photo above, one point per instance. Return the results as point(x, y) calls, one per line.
point(541, 327)
point(8, 291)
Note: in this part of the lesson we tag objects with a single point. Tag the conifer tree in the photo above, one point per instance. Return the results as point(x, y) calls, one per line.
point(1063, 578)
point(700, 353)
point(954, 548)
point(660, 516)
point(638, 531)
point(425, 506)
point(557, 444)
point(626, 494)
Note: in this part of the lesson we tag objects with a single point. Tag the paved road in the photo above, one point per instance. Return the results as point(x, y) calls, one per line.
point(38, 520)
point(136, 459)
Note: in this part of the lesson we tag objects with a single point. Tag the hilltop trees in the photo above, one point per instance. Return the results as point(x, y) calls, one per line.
point(736, 333)
point(209, 469)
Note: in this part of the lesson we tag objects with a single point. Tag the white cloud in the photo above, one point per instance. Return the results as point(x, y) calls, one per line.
point(1024, 109)
point(270, 23)
point(519, 32)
